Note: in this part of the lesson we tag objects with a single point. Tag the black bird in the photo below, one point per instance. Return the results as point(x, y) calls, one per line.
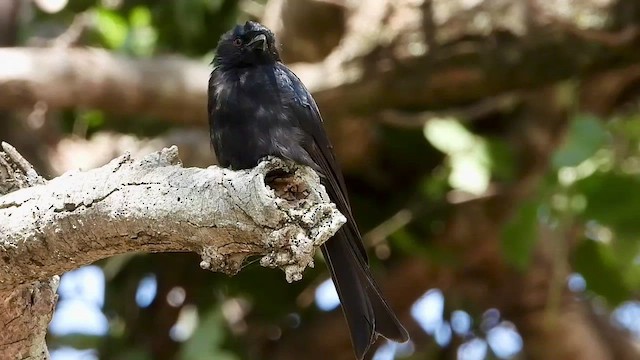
point(258, 107)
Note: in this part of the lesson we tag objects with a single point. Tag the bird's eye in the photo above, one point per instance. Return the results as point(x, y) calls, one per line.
point(237, 41)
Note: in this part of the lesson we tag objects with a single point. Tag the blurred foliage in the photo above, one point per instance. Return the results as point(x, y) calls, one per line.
point(586, 136)
point(207, 340)
point(520, 235)
point(595, 189)
point(138, 28)
point(467, 154)
point(590, 193)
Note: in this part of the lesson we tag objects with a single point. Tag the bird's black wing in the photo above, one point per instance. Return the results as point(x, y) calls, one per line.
point(365, 309)
point(320, 149)
point(211, 111)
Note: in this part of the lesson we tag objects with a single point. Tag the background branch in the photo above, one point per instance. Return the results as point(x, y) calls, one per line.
point(467, 61)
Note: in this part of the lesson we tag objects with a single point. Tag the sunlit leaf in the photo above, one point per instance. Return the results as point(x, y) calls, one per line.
point(140, 16)
point(520, 234)
point(468, 154)
point(448, 135)
point(93, 118)
point(585, 136)
point(112, 27)
point(470, 171)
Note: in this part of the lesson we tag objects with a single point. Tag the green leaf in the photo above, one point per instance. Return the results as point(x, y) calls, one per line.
point(586, 136)
point(470, 172)
point(632, 276)
point(596, 263)
point(625, 252)
point(435, 186)
point(140, 16)
point(613, 200)
point(93, 118)
point(520, 234)
point(502, 159)
point(112, 27)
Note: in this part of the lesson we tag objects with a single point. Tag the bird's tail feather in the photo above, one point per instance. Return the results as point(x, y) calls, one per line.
point(365, 309)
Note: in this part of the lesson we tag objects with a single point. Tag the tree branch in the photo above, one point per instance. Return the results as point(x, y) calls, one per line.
point(170, 87)
point(25, 310)
point(397, 55)
point(155, 205)
point(442, 55)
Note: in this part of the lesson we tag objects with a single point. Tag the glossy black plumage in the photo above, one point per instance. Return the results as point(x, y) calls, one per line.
point(258, 107)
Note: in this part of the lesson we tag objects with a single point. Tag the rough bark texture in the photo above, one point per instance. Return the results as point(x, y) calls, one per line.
point(153, 205)
point(26, 309)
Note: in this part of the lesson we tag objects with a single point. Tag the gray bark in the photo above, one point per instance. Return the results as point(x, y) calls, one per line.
point(25, 310)
point(153, 205)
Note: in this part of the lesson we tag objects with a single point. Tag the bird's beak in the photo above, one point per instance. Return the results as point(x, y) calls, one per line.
point(259, 41)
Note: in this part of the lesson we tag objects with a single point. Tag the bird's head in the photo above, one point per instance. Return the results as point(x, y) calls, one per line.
point(247, 45)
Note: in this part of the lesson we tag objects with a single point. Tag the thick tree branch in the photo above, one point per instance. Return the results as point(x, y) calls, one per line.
point(25, 310)
point(156, 205)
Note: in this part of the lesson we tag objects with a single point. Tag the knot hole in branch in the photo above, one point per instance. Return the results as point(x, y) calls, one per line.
point(286, 184)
